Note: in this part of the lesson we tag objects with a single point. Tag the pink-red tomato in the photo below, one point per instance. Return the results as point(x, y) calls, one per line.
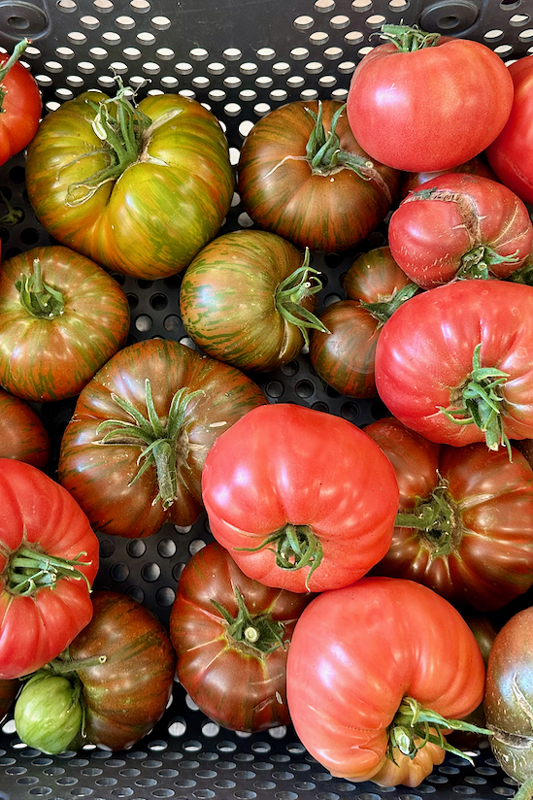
point(20, 104)
point(303, 500)
point(428, 104)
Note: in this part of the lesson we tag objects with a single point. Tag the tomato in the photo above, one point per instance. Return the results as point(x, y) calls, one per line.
point(412, 181)
point(231, 635)
point(20, 104)
point(61, 318)
point(22, 433)
point(48, 561)
point(363, 661)
point(343, 355)
point(460, 226)
point(138, 189)
point(302, 175)
point(118, 675)
point(8, 692)
point(248, 299)
point(133, 452)
point(423, 102)
point(465, 521)
point(303, 500)
point(508, 698)
point(454, 363)
point(510, 154)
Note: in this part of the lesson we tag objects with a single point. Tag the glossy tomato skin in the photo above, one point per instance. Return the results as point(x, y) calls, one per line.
point(430, 109)
point(39, 515)
point(508, 696)
point(22, 433)
point(228, 300)
point(331, 210)
point(21, 107)
point(425, 352)
point(356, 652)
point(234, 682)
point(164, 208)
point(477, 551)
point(99, 476)
point(92, 326)
point(126, 695)
point(284, 466)
point(456, 217)
point(509, 154)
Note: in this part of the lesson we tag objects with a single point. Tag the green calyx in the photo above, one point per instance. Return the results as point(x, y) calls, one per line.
point(383, 309)
point(38, 298)
point(259, 631)
point(13, 215)
point(414, 726)
point(29, 570)
point(291, 293)
point(158, 440)
point(4, 69)
point(324, 153)
point(482, 403)
point(407, 38)
point(120, 126)
point(478, 262)
point(434, 520)
point(295, 547)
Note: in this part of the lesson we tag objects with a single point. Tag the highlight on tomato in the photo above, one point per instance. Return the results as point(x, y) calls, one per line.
point(20, 103)
point(303, 500)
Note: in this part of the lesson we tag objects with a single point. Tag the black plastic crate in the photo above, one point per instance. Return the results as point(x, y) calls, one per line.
point(241, 58)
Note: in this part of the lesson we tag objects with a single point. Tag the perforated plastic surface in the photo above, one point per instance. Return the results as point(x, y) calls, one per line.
point(241, 58)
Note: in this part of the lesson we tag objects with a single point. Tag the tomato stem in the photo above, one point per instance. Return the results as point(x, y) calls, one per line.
point(4, 69)
point(297, 546)
point(63, 664)
point(407, 38)
point(13, 215)
point(259, 631)
point(477, 263)
point(324, 153)
point(38, 298)
point(434, 519)
point(29, 571)
point(291, 293)
point(383, 309)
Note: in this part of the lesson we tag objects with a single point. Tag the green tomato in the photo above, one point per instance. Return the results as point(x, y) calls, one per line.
point(48, 713)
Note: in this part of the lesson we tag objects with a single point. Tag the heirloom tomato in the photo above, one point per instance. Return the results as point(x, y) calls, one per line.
point(22, 433)
point(343, 356)
point(377, 672)
point(303, 500)
point(465, 521)
point(109, 688)
point(511, 154)
point(231, 635)
point(138, 189)
point(460, 226)
point(20, 104)
point(133, 452)
point(422, 102)
point(248, 299)
point(302, 175)
point(49, 559)
point(454, 363)
point(61, 318)
point(412, 181)
point(508, 699)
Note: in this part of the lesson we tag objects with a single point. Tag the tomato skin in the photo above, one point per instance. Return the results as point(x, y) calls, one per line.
point(430, 109)
point(425, 352)
point(38, 513)
point(331, 211)
point(378, 642)
point(482, 556)
point(99, 475)
point(412, 181)
point(22, 433)
point(285, 465)
point(21, 106)
point(177, 192)
point(230, 680)
point(92, 327)
point(434, 231)
point(509, 154)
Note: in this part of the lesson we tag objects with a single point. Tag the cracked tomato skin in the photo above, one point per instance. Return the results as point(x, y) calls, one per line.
point(356, 652)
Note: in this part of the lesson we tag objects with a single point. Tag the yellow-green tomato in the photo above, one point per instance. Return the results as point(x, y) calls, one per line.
point(48, 713)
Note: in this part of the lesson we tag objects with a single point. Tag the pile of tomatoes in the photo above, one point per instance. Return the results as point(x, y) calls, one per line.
point(354, 573)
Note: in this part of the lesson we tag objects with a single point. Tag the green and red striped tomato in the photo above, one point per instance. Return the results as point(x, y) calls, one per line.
point(144, 209)
point(61, 318)
point(134, 450)
point(247, 299)
point(22, 433)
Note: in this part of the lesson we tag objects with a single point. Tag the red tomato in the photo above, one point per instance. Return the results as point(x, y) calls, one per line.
point(231, 635)
point(454, 363)
point(20, 104)
point(465, 522)
point(48, 561)
point(359, 655)
point(423, 102)
point(303, 500)
point(460, 226)
point(22, 433)
point(511, 154)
